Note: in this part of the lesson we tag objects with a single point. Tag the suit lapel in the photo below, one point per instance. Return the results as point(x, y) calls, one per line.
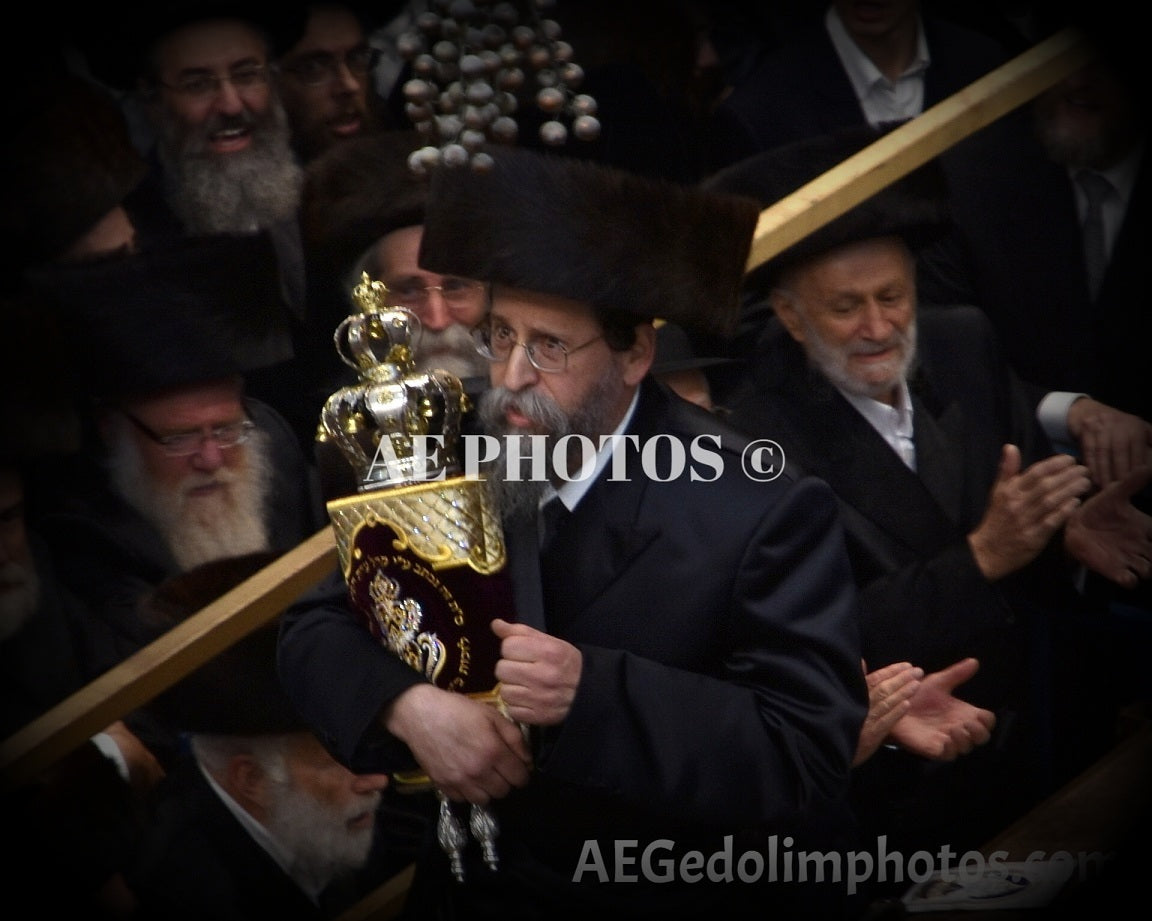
point(600, 540)
point(939, 463)
point(839, 445)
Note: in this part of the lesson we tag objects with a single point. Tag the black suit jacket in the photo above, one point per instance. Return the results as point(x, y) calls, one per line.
point(922, 597)
point(800, 89)
point(721, 687)
point(1017, 223)
point(197, 862)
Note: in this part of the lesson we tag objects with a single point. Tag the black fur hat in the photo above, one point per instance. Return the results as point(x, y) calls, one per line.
point(357, 192)
point(914, 206)
point(238, 691)
point(621, 242)
point(199, 309)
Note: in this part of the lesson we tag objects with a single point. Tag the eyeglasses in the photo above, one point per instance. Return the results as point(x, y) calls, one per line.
point(323, 68)
point(456, 292)
point(206, 85)
point(546, 353)
point(181, 444)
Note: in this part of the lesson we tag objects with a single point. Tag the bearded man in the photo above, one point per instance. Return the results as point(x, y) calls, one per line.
point(961, 520)
point(199, 80)
point(183, 466)
point(652, 631)
point(257, 819)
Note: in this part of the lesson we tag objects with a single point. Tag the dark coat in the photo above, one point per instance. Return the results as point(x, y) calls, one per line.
point(721, 690)
point(1016, 220)
point(198, 863)
point(800, 89)
point(922, 597)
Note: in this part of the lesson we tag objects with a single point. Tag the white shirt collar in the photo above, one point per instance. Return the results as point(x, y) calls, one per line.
point(866, 78)
point(894, 423)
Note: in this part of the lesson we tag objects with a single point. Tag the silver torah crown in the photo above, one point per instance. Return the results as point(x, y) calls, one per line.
point(375, 422)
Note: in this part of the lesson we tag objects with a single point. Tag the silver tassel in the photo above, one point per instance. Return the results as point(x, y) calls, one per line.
point(452, 836)
point(484, 830)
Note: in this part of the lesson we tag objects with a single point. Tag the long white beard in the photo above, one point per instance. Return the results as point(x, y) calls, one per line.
point(317, 835)
point(19, 596)
point(198, 529)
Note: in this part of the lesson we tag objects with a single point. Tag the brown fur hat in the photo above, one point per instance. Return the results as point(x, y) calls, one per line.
point(68, 163)
point(621, 242)
point(358, 191)
point(914, 206)
point(238, 691)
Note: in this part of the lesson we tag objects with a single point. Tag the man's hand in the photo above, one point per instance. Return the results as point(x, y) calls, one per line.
point(940, 726)
point(1025, 510)
point(1109, 535)
point(1112, 443)
point(467, 748)
point(889, 691)
point(144, 771)
point(538, 674)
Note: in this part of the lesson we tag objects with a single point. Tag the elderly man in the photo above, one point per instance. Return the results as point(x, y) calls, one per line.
point(682, 652)
point(257, 818)
point(958, 515)
point(183, 468)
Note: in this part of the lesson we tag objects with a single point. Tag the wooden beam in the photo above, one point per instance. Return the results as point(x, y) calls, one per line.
point(161, 664)
point(916, 142)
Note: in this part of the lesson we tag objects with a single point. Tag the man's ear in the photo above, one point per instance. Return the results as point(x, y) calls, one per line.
point(784, 306)
point(638, 357)
point(245, 781)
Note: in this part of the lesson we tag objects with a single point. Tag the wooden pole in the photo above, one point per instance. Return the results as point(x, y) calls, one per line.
point(915, 142)
point(162, 663)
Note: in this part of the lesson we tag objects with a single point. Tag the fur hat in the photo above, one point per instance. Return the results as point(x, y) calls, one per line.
point(200, 309)
point(621, 242)
point(238, 691)
point(914, 206)
point(358, 191)
point(69, 161)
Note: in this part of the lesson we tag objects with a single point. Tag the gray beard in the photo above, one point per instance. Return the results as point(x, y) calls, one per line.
point(200, 529)
point(318, 838)
point(235, 193)
point(19, 602)
point(516, 500)
point(450, 349)
point(830, 362)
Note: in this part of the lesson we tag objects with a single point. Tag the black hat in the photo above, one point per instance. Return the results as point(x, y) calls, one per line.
point(913, 207)
point(68, 162)
point(199, 309)
point(621, 242)
point(291, 19)
point(676, 351)
point(238, 691)
point(116, 40)
point(357, 192)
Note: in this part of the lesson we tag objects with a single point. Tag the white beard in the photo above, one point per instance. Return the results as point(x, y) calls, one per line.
point(198, 529)
point(450, 349)
point(317, 836)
